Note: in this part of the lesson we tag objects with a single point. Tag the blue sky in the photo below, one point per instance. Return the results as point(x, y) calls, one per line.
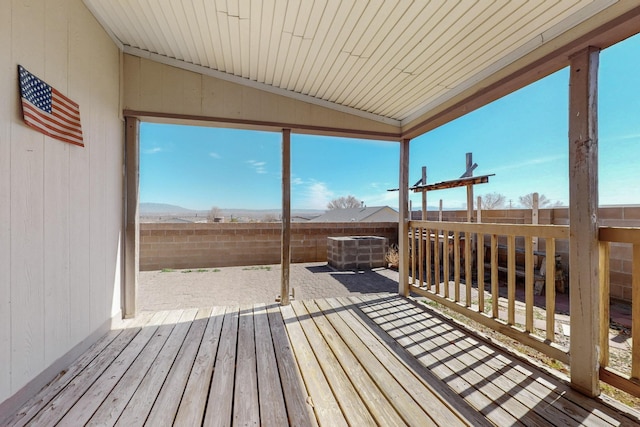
point(521, 138)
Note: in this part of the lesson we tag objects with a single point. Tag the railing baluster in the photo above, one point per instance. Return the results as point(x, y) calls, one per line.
point(550, 287)
point(412, 249)
point(495, 285)
point(420, 258)
point(528, 283)
point(511, 279)
point(468, 278)
point(446, 259)
point(635, 309)
point(480, 262)
point(436, 259)
point(605, 251)
point(456, 265)
point(427, 254)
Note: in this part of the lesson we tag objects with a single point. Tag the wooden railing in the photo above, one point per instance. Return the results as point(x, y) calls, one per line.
point(630, 237)
point(448, 262)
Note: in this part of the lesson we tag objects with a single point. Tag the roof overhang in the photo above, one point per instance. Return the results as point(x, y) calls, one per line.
point(408, 66)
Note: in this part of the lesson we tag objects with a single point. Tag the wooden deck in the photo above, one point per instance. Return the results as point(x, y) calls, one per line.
point(374, 360)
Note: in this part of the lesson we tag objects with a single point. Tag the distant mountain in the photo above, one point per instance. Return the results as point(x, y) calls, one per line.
point(162, 208)
point(156, 209)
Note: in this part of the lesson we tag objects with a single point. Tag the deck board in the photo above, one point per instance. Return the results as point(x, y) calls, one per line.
point(194, 399)
point(46, 395)
point(272, 411)
point(246, 407)
point(380, 408)
point(111, 408)
point(361, 360)
point(411, 412)
point(350, 401)
point(221, 391)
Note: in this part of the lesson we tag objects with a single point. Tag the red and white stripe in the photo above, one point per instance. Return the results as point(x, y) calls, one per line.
point(63, 123)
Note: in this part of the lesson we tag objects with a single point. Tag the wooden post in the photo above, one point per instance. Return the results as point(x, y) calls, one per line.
point(132, 222)
point(469, 170)
point(440, 211)
point(285, 259)
point(403, 225)
point(583, 221)
point(535, 219)
point(424, 194)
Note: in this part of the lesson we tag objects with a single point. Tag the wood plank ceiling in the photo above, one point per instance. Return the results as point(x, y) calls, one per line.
point(391, 59)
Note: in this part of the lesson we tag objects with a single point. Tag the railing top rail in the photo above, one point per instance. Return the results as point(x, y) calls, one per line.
point(530, 230)
point(619, 234)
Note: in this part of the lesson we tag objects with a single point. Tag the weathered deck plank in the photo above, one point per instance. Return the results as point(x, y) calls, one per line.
point(362, 360)
point(547, 406)
point(325, 405)
point(246, 407)
point(381, 409)
point(272, 410)
point(69, 396)
point(46, 395)
point(220, 402)
point(354, 409)
point(139, 406)
point(411, 412)
point(112, 407)
point(112, 376)
point(414, 376)
point(194, 400)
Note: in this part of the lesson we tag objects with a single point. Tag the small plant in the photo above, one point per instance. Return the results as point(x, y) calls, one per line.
point(216, 270)
point(186, 271)
point(201, 270)
point(259, 267)
point(392, 257)
point(168, 270)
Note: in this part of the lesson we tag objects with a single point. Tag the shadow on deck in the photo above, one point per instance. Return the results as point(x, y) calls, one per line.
point(359, 360)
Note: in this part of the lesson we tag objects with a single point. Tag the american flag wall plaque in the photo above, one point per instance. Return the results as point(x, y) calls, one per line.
point(47, 110)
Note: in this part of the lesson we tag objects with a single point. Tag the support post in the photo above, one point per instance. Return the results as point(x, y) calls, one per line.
point(131, 218)
point(469, 172)
point(403, 225)
point(285, 259)
point(424, 194)
point(535, 216)
point(583, 221)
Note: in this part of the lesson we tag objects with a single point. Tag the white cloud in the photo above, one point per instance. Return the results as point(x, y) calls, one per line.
point(616, 138)
point(258, 166)
point(214, 155)
point(316, 195)
point(153, 150)
point(530, 162)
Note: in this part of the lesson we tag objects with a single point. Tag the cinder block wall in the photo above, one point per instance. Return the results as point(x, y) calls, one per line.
point(233, 244)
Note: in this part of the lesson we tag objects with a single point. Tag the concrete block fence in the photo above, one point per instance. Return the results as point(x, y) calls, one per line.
point(232, 244)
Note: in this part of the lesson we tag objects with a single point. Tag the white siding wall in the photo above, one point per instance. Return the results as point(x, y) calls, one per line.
point(60, 205)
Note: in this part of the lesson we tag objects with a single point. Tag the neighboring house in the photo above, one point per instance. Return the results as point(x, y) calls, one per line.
point(365, 214)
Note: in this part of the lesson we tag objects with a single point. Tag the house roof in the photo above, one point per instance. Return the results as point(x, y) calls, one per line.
point(398, 62)
point(352, 214)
